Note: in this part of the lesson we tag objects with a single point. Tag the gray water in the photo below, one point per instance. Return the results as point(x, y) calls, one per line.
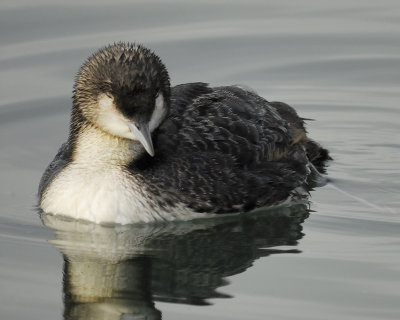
point(337, 62)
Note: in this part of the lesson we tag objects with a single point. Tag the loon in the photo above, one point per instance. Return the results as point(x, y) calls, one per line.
point(141, 151)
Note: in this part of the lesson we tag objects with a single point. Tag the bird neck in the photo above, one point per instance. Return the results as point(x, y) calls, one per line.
point(97, 148)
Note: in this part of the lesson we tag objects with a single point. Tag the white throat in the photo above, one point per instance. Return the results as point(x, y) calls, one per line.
point(95, 147)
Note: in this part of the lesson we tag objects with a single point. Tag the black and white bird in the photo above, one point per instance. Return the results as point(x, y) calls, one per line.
point(139, 150)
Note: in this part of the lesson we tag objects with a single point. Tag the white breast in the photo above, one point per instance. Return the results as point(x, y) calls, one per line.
point(89, 194)
point(96, 187)
point(107, 195)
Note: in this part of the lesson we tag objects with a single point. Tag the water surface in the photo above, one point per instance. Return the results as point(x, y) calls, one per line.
point(338, 63)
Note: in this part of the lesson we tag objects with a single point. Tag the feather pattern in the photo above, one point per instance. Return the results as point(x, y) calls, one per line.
point(223, 149)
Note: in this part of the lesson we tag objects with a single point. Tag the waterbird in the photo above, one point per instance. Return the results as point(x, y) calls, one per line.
point(141, 151)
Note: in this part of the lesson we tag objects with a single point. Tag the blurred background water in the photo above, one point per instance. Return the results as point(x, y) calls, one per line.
point(336, 62)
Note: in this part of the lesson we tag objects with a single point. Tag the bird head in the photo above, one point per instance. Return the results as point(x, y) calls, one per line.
point(124, 90)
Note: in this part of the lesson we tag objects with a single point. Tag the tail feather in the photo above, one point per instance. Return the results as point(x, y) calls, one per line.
point(317, 155)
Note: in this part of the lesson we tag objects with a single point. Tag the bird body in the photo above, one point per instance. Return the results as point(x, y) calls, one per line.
point(139, 151)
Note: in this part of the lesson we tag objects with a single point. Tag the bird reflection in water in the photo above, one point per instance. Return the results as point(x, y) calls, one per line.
point(117, 272)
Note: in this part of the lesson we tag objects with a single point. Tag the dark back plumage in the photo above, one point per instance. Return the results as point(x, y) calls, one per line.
point(223, 149)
